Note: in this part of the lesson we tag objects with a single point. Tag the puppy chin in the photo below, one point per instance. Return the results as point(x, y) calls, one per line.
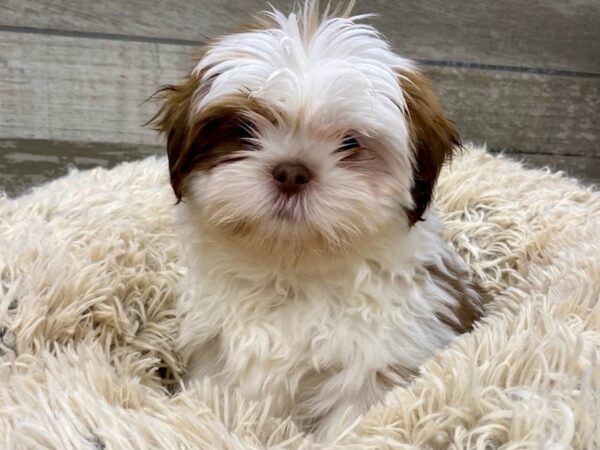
point(280, 232)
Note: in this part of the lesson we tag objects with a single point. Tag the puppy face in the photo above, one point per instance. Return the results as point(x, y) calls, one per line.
point(304, 132)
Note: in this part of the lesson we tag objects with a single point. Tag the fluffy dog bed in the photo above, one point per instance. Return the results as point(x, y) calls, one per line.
point(89, 266)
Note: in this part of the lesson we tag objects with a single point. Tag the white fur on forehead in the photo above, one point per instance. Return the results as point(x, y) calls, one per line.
point(342, 71)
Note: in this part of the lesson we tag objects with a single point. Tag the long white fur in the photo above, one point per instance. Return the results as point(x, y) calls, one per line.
point(309, 310)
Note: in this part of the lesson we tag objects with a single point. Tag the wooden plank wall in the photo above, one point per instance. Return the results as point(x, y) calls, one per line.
point(522, 76)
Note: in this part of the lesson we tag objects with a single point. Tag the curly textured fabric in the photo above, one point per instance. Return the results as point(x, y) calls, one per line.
point(88, 273)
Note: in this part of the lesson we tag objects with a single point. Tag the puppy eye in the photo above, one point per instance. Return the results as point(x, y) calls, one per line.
point(349, 143)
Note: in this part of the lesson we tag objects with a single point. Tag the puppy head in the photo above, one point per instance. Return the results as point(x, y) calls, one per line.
point(304, 131)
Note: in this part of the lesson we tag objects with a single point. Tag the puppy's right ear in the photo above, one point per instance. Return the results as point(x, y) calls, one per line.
point(173, 119)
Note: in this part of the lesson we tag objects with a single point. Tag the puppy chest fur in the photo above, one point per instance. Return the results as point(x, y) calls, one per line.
point(322, 345)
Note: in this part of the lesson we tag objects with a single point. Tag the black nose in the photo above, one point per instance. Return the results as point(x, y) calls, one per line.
point(291, 176)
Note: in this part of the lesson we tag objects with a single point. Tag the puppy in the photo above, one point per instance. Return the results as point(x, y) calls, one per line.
point(303, 153)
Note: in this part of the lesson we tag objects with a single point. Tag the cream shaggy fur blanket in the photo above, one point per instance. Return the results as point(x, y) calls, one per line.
point(88, 272)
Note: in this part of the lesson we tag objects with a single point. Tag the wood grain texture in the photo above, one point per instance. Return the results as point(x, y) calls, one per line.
point(27, 163)
point(555, 34)
point(90, 90)
point(83, 89)
point(584, 168)
point(526, 113)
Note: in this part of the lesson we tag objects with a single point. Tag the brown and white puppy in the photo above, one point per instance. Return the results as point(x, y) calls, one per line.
point(304, 154)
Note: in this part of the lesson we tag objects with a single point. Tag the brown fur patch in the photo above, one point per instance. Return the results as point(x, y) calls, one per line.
point(434, 138)
point(470, 297)
point(203, 140)
point(173, 120)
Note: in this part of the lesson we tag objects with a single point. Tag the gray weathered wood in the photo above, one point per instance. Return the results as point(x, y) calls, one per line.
point(26, 163)
point(74, 89)
point(556, 34)
point(585, 168)
point(78, 89)
point(526, 113)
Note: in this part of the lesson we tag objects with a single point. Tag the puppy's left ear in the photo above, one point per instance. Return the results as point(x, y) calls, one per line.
point(434, 138)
